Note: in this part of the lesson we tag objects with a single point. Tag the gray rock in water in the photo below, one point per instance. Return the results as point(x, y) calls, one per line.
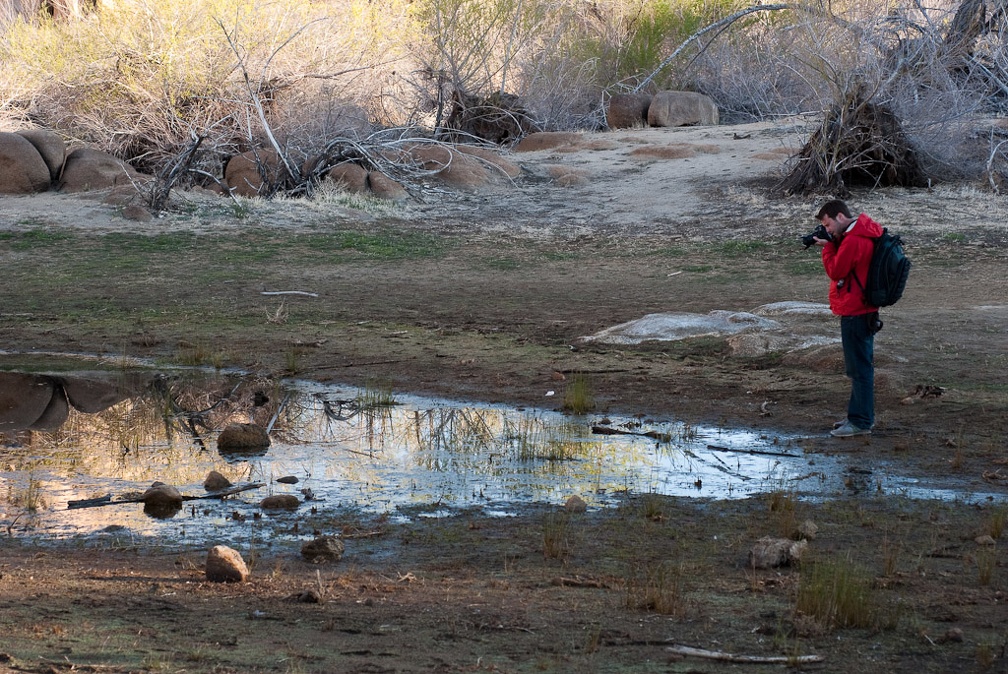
point(225, 565)
point(161, 494)
point(216, 482)
point(287, 479)
point(280, 502)
point(323, 549)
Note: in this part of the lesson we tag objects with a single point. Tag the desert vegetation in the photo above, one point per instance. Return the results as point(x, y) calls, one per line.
point(177, 88)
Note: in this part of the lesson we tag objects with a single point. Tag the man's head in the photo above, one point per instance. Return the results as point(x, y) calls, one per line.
point(835, 217)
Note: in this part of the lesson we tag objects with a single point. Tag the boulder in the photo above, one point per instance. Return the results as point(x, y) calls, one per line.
point(161, 500)
point(225, 565)
point(628, 111)
point(384, 187)
point(548, 140)
point(454, 168)
point(215, 481)
point(280, 502)
point(349, 177)
point(575, 504)
point(159, 494)
point(242, 438)
point(50, 146)
point(22, 169)
point(243, 174)
point(496, 163)
point(323, 549)
point(682, 108)
point(88, 169)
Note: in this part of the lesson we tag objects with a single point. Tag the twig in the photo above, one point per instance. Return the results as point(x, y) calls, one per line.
point(745, 659)
point(720, 448)
point(289, 292)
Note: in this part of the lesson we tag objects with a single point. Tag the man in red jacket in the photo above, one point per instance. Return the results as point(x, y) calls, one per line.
point(846, 254)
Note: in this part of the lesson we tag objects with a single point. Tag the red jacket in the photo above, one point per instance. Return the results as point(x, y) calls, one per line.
point(842, 262)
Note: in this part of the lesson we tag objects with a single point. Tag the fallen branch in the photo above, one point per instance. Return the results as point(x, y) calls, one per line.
point(107, 498)
point(655, 435)
point(745, 659)
point(719, 448)
point(289, 292)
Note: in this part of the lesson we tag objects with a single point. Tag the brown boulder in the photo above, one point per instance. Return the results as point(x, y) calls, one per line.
point(384, 187)
point(22, 169)
point(244, 172)
point(280, 502)
point(549, 140)
point(682, 108)
point(225, 565)
point(89, 169)
point(161, 494)
point(215, 481)
point(628, 111)
point(349, 177)
point(50, 146)
point(496, 163)
point(451, 166)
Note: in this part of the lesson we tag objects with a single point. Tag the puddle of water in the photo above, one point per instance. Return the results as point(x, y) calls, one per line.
point(79, 436)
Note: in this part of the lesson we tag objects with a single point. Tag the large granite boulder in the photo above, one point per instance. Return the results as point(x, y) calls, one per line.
point(244, 173)
point(628, 111)
point(51, 146)
point(89, 169)
point(682, 108)
point(22, 168)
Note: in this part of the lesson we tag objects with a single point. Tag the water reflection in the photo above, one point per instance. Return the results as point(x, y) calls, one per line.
point(347, 449)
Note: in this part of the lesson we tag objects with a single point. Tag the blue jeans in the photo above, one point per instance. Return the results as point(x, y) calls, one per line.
point(858, 336)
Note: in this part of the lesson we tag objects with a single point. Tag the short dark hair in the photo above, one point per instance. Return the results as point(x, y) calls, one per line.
point(832, 209)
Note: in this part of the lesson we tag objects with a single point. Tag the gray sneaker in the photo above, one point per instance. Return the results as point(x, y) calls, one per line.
point(849, 430)
point(838, 424)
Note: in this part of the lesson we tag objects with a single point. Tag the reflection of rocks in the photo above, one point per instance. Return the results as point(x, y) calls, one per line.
point(323, 549)
point(225, 565)
point(243, 438)
point(42, 402)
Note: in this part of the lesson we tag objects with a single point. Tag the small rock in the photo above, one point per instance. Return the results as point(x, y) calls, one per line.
point(808, 530)
point(160, 494)
point(280, 502)
point(225, 565)
point(954, 634)
point(215, 481)
point(323, 549)
point(287, 479)
point(576, 504)
point(769, 553)
point(307, 597)
point(986, 539)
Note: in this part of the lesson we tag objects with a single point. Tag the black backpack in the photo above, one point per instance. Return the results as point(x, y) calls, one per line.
point(887, 273)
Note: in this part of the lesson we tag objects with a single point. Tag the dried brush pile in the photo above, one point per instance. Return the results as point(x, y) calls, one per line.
point(860, 143)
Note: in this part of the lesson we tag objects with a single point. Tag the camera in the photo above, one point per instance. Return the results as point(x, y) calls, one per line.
point(817, 233)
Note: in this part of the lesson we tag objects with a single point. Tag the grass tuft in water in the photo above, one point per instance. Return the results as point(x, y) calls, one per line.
point(578, 398)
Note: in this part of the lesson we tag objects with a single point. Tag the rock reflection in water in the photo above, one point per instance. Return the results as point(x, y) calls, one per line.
point(349, 448)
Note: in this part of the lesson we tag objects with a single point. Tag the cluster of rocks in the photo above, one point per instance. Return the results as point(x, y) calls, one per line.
point(39, 160)
point(665, 108)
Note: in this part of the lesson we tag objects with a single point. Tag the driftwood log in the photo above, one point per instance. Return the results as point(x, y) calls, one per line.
point(744, 659)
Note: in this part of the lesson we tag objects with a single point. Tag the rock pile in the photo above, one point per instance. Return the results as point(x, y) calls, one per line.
point(665, 108)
